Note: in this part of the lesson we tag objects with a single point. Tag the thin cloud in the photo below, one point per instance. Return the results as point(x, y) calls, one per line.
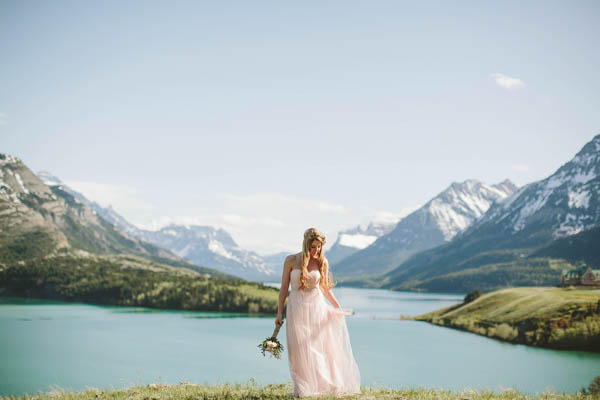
point(230, 222)
point(122, 198)
point(266, 222)
point(241, 220)
point(507, 82)
point(3, 119)
point(256, 220)
point(382, 217)
point(273, 222)
point(293, 202)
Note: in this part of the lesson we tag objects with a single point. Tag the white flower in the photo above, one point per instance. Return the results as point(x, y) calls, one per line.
point(271, 345)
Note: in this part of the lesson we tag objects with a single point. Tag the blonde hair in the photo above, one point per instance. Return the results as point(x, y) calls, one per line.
point(310, 235)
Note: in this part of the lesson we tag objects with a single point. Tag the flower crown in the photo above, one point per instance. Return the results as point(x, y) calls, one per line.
point(313, 234)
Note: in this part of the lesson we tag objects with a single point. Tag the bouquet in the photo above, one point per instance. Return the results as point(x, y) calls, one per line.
point(272, 345)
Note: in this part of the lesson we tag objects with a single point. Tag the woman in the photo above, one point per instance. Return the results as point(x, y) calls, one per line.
point(319, 351)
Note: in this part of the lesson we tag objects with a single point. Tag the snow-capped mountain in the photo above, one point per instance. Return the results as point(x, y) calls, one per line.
point(357, 238)
point(212, 247)
point(437, 222)
point(498, 246)
point(201, 245)
point(563, 204)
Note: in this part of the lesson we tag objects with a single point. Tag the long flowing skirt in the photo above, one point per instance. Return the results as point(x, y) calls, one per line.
point(319, 352)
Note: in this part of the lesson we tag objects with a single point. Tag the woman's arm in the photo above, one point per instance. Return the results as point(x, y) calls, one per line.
point(329, 295)
point(283, 291)
point(326, 291)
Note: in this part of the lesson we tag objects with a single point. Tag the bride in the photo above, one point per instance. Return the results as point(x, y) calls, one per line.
point(319, 351)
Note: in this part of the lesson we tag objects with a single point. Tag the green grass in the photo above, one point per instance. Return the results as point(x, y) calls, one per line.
point(563, 318)
point(188, 391)
point(530, 271)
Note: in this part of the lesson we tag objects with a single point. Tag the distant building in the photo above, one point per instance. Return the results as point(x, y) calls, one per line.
point(580, 277)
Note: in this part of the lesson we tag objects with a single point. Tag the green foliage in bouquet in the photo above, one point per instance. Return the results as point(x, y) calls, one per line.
point(272, 345)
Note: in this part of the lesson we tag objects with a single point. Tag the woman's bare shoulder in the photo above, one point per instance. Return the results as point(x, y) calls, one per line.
point(292, 259)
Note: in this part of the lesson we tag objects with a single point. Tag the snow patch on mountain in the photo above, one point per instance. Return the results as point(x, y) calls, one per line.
point(529, 209)
point(217, 247)
point(357, 241)
point(20, 181)
point(8, 159)
point(449, 221)
point(583, 177)
point(185, 251)
point(579, 199)
point(48, 178)
point(458, 206)
point(571, 225)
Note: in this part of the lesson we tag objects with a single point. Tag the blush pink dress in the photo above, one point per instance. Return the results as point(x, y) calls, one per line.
point(319, 352)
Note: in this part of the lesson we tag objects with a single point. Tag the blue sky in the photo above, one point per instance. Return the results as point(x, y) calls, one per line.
point(266, 118)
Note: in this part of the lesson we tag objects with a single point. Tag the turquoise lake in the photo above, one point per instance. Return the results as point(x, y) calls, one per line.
point(71, 346)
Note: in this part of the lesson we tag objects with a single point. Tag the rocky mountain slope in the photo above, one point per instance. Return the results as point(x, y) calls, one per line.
point(107, 213)
point(437, 222)
point(38, 220)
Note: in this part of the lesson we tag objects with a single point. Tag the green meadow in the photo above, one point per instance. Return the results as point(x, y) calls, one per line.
point(561, 318)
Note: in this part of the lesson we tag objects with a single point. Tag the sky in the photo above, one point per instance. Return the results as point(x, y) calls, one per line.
point(266, 118)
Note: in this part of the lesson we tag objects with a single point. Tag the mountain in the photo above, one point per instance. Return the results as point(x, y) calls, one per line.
point(529, 223)
point(357, 238)
point(202, 245)
point(54, 246)
point(437, 222)
point(275, 262)
point(108, 213)
point(581, 247)
point(38, 220)
point(210, 246)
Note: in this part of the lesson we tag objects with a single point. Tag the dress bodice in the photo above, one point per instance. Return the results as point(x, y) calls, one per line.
point(314, 277)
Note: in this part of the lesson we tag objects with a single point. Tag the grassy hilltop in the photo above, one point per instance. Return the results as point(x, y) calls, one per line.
point(561, 318)
point(189, 391)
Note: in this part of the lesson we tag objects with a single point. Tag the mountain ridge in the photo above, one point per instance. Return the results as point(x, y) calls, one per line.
point(436, 222)
point(202, 245)
point(38, 220)
point(561, 205)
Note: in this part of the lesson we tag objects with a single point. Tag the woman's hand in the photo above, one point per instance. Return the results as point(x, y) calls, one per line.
point(279, 320)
